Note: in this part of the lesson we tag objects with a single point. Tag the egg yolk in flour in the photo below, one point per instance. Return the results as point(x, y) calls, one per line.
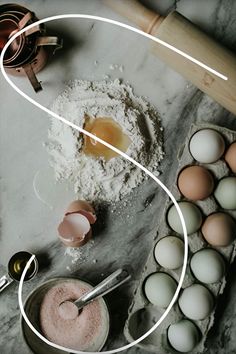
point(108, 130)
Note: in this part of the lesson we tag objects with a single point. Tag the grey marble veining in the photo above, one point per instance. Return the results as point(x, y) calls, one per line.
point(124, 236)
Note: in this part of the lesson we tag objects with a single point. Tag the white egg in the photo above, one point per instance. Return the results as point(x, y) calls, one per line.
point(192, 217)
point(196, 302)
point(225, 193)
point(208, 266)
point(169, 252)
point(183, 336)
point(159, 289)
point(207, 146)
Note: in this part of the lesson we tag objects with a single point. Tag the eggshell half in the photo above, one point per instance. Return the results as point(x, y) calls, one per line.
point(75, 230)
point(84, 208)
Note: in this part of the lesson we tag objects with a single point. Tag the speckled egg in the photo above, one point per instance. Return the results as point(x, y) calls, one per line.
point(169, 252)
point(196, 302)
point(207, 146)
point(183, 336)
point(192, 217)
point(159, 289)
point(225, 193)
point(208, 266)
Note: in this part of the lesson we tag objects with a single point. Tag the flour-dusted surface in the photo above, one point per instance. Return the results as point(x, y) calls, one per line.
point(97, 179)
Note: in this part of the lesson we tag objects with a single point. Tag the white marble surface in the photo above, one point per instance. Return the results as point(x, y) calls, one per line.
point(27, 223)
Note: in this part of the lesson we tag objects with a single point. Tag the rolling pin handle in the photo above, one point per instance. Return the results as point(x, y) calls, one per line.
point(179, 32)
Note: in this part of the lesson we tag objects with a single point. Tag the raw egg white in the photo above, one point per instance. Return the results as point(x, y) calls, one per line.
point(207, 146)
point(208, 266)
point(230, 157)
point(196, 302)
point(169, 252)
point(225, 193)
point(192, 217)
point(159, 289)
point(219, 229)
point(183, 336)
point(196, 182)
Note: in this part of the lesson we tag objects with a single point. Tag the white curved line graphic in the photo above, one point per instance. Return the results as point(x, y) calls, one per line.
point(81, 130)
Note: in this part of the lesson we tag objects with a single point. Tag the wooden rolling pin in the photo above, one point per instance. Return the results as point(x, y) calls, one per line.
point(178, 31)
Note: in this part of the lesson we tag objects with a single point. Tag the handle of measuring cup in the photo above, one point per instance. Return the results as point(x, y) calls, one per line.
point(5, 281)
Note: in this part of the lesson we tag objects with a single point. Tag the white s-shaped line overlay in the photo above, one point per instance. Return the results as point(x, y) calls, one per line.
point(81, 130)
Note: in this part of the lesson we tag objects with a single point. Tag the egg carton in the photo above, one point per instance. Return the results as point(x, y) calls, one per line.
point(141, 313)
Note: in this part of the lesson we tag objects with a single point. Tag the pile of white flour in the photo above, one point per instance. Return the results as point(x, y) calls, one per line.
point(97, 179)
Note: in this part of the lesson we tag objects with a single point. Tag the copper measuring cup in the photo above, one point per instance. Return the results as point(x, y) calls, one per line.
point(16, 267)
point(27, 54)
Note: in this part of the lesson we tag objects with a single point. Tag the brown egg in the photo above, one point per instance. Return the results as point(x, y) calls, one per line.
point(196, 182)
point(230, 157)
point(219, 229)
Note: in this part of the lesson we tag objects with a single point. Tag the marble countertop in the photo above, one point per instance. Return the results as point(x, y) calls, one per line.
point(89, 50)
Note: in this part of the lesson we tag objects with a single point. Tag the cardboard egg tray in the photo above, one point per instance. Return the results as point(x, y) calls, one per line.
point(141, 311)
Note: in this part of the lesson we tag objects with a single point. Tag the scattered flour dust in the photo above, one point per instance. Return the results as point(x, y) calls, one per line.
point(79, 256)
point(96, 179)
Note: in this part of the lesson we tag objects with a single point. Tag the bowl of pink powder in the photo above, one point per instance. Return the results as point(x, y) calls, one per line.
point(86, 331)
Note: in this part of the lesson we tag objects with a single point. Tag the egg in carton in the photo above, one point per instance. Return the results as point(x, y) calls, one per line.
point(186, 326)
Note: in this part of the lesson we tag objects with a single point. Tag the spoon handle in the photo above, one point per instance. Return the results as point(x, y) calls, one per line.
point(114, 280)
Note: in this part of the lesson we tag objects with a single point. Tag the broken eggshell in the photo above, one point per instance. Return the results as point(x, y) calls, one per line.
point(75, 229)
point(84, 208)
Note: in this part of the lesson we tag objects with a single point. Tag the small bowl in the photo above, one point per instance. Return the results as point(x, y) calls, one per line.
point(32, 306)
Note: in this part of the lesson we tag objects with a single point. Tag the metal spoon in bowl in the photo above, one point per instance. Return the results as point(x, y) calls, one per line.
point(70, 309)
